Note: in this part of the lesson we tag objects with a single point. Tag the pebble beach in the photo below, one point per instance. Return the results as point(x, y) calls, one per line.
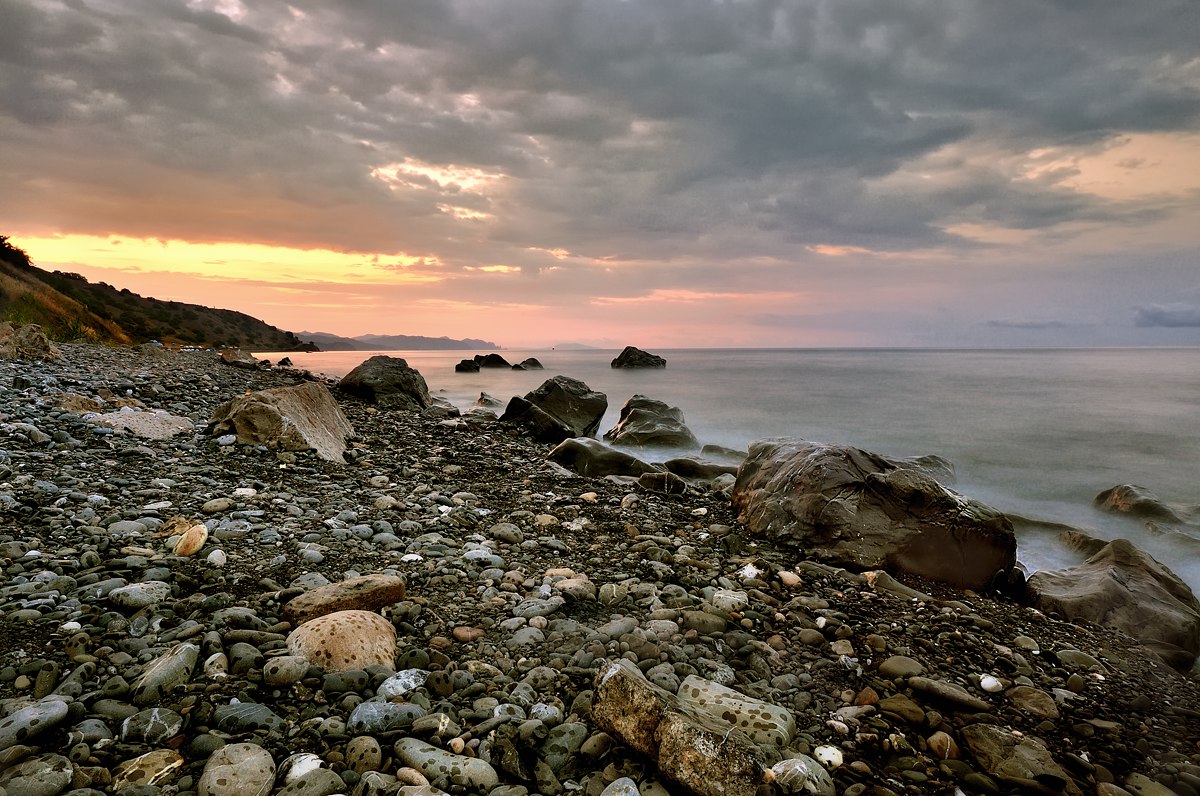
point(137, 659)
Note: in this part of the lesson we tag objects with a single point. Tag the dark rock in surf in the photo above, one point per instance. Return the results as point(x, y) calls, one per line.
point(491, 361)
point(591, 457)
point(530, 364)
point(858, 509)
point(467, 366)
point(388, 382)
point(636, 358)
point(559, 409)
point(1123, 587)
point(1136, 501)
point(646, 422)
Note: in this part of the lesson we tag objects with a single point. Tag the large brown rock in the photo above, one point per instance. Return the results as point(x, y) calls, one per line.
point(559, 409)
point(646, 422)
point(1017, 759)
point(388, 382)
point(240, 359)
point(345, 640)
point(364, 593)
point(26, 342)
point(303, 417)
point(1123, 587)
point(860, 510)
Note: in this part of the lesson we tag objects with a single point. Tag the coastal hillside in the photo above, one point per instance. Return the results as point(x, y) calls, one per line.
point(393, 342)
point(69, 307)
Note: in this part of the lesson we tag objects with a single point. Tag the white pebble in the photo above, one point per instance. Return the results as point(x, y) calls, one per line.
point(217, 558)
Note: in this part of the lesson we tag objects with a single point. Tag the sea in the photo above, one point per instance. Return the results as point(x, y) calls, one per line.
point(1033, 432)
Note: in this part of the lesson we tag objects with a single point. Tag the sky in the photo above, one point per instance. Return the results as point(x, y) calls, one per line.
point(660, 173)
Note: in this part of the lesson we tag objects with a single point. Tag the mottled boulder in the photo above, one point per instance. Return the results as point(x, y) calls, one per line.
point(239, 359)
point(364, 593)
point(591, 457)
point(304, 417)
point(388, 382)
point(467, 366)
point(703, 753)
point(646, 422)
point(345, 640)
point(1136, 501)
point(559, 409)
point(1123, 587)
point(857, 509)
point(26, 342)
point(632, 357)
point(492, 360)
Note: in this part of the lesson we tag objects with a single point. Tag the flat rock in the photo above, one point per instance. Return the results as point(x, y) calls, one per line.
point(445, 769)
point(364, 593)
point(148, 425)
point(1003, 754)
point(304, 417)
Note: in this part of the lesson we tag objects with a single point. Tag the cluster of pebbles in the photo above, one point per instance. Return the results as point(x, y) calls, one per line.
point(138, 659)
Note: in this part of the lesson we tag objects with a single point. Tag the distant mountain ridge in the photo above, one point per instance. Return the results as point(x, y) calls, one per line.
point(393, 342)
point(68, 307)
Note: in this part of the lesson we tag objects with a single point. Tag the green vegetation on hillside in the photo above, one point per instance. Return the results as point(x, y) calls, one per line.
point(69, 307)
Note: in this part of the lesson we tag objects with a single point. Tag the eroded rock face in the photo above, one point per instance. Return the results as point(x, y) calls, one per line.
point(1123, 587)
point(858, 509)
point(646, 422)
point(26, 342)
point(303, 417)
point(632, 357)
point(389, 383)
point(559, 409)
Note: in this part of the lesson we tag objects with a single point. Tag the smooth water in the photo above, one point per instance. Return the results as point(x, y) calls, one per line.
point(1032, 432)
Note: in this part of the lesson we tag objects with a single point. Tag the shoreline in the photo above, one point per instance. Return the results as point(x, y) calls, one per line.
point(641, 576)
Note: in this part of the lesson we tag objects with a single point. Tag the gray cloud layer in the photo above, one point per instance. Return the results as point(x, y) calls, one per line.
point(678, 131)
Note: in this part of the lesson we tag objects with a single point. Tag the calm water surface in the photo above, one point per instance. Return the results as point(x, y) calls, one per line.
point(1035, 432)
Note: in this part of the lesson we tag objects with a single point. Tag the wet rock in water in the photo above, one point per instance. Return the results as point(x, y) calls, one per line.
point(530, 363)
point(559, 409)
point(591, 457)
point(467, 366)
point(26, 342)
point(705, 755)
point(646, 422)
point(492, 360)
point(1136, 501)
point(240, 769)
point(345, 640)
point(631, 357)
point(304, 417)
point(1123, 587)
point(364, 593)
point(388, 382)
point(856, 508)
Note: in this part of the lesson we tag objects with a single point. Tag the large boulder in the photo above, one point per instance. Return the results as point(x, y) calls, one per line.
point(304, 417)
point(1136, 501)
point(530, 363)
point(26, 342)
point(591, 457)
point(632, 357)
point(388, 382)
point(561, 408)
point(492, 360)
point(1123, 587)
point(857, 509)
point(240, 359)
point(646, 422)
point(467, 366)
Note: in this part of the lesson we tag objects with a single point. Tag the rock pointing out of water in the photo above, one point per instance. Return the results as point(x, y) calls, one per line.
point(857, 509)
point(1123, 587)
point(632, 357)
point(388, 382)
point(303, 417)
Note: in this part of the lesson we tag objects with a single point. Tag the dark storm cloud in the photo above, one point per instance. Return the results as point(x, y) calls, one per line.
point(627, 129)
point(1168, 315)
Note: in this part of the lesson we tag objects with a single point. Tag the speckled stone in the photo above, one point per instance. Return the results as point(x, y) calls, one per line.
point(240, 769)
point(27, 723)
point(345, 640)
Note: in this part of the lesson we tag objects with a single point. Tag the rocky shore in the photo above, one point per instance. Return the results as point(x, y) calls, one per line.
point(518, 628)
